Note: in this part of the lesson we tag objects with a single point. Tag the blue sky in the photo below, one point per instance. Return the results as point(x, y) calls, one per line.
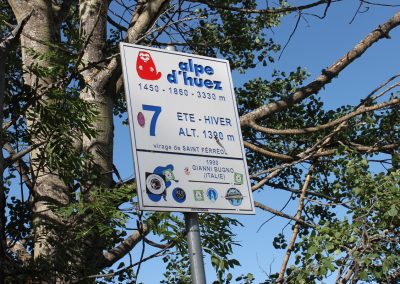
point(316, 45)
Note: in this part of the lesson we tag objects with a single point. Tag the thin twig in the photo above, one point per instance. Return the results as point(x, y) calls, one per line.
point(296, 226)
point(281, 214)
point(291, 35)
point(156, 254)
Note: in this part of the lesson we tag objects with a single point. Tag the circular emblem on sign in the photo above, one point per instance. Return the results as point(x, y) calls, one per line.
point(155, 184)
point(212, 194)
point(234, 196)
point(179, 195)
point(141, 120)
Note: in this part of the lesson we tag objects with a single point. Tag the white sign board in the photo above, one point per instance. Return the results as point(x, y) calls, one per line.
point(186, 138)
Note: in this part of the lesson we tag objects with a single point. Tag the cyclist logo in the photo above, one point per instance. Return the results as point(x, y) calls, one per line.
point(146, 68)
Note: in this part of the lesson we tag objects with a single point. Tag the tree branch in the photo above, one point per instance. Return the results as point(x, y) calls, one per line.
point(14, 36)
point(267, 153)
point(115, 24)
point(21, 167)
point(317, 148)
point(5, 46)
point(19, 7)
point(327, 75)
point(17, 156)
point(346, 117)
point(146, 14)
point(122, 249)
point(296, 226)
point(281, 214)
point(298, 191)
point(156, 254)
point(271, 11)
point(379, 4)
point(62, 12)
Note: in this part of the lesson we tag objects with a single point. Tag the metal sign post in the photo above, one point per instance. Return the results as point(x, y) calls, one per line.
point(186, 139)
point(195, 250)
point(194, 239)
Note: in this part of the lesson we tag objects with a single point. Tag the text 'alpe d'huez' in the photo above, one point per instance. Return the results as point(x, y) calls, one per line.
point(186, 72)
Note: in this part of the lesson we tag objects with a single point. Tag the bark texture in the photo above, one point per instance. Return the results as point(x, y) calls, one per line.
point(49, 190)
point(93, 18)
point(84, 256)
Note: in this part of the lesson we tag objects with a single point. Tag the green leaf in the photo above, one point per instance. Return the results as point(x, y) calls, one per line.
point(364, 275)
point(357, 190)
point(215, 261)
point(312, 250)
point(392, 211)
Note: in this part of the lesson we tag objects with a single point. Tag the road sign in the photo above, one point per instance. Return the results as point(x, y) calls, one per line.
point(185, 132)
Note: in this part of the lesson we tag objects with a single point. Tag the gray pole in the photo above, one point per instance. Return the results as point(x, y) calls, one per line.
point(195, 252)
point(194, 240)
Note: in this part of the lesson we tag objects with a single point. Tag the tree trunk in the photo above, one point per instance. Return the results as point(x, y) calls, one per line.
point(49, 191)
point(3, 219)
point(93, 16)
point(83, 256)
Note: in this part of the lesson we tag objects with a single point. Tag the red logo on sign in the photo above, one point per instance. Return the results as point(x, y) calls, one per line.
point(145, 67)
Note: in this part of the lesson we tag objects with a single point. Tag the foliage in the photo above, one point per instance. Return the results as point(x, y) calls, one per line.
point(217, 241)
point(368, 239)
point(101, 212)
point(52, 105)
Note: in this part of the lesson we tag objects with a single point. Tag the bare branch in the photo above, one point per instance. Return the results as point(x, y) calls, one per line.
point(298, 191)
point(271, 11)
point(291, 35)
point(267, 153)
point(116, 172)
point(115, 24)
point(21, 167)
point(371, 96)
point(17, 156)
point(147, 12)
point(296, 226)
point(14, 36)
point(156, 254)
point(346, 117)
point(122, 249)
point(375, 148)
point(317, 148)
point(349, 274)
point(144, 18)
point(379, 4)
point(281, 214)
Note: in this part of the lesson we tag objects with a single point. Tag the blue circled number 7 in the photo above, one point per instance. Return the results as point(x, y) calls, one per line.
point(157, 111)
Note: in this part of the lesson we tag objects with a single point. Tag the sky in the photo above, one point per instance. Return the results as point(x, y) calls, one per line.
point(315, 45)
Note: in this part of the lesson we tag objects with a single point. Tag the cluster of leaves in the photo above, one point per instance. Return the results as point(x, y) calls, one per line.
point(366, 238)
point(344, 185)
point(242, 279)
point(127, 276)
point(100, 213)
point(57, 120)
point(93, 218)
point(238, 37)
point(373, 129)
point(217, 241)
point(361, 237)
point(258, 92)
